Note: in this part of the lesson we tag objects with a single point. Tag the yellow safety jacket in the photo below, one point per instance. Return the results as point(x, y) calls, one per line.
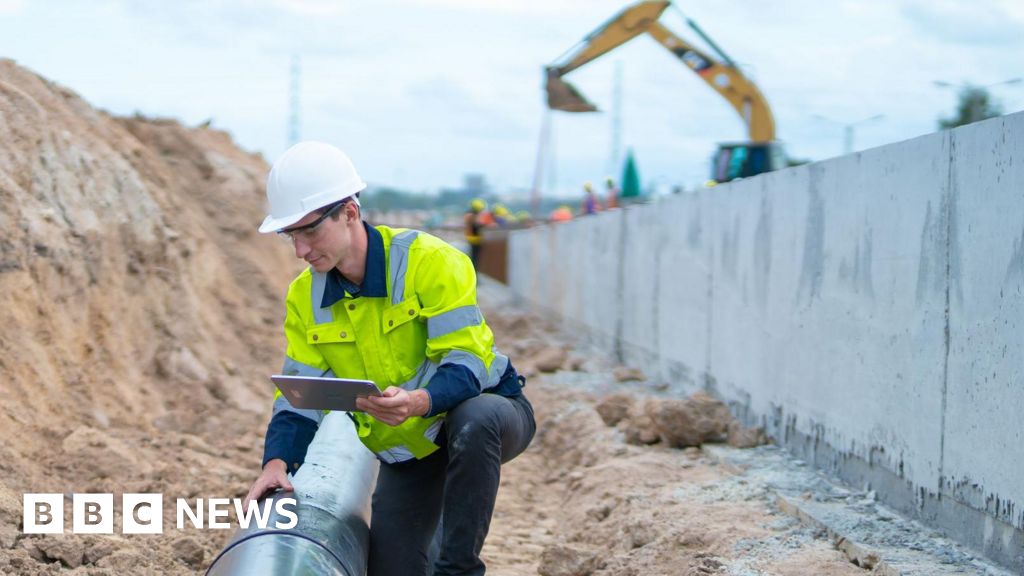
point(428, 318)
point(472, 228)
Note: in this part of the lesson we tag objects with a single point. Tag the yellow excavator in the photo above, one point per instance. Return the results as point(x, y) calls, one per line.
point(732, 160)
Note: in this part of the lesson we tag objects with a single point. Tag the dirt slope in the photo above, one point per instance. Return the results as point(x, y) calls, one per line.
point(139, 310)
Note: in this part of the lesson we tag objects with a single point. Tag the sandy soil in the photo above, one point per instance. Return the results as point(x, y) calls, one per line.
point(608, 507)
point(140, 314)
point(589, 498)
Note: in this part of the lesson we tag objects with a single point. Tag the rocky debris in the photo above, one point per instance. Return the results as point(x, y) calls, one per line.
point(600, 512)
point(100, 548)
point(10, 518)
point(639, 534)
point(516, 326)
point(692, 452)
point(614, 408)
point(550, 359)
point(705, 564)
point(626, 374)
point(189, 551)
point(676, 423)
point(126, 561)
point(9, 535)
point(638, 427)
point(691, 422)
point(560, 560)
point(741, 436)
point(30, 547)
point(69, 551)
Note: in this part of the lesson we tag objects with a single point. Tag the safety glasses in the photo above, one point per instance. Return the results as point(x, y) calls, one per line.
point(310, 231)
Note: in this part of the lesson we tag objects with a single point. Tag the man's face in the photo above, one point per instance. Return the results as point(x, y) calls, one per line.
point(324, 244)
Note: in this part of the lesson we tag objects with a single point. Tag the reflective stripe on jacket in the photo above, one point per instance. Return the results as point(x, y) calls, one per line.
point(429, 318)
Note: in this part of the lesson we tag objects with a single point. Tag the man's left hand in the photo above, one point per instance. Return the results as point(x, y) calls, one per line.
point(395, 405)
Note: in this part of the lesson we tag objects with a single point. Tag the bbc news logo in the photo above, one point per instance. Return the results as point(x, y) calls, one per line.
point(144, 513)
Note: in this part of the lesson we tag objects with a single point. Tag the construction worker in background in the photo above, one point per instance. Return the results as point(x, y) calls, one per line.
point(611, 199)
point(561, 214)
point(524, 218)
point(397, 307)
point(590, 205)
point(473, 229)
point(502, 217)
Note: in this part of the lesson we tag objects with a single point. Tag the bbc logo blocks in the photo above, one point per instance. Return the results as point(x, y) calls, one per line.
point(93, 514)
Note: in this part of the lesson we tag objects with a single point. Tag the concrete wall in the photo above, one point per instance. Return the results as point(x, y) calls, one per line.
point(867, 310)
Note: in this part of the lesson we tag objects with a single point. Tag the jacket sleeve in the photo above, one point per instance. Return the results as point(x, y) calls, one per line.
point(458, 339)
point(292, 429)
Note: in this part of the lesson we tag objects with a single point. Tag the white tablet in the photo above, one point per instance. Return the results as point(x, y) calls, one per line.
point(318, 393)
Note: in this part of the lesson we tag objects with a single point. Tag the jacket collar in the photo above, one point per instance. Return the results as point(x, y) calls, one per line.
point(374, 281)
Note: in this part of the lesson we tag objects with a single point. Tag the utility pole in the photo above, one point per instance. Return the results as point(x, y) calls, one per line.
point(615, 156)
point(294, 123)
point(848, 129)
point(542, 157)
point(848, 132)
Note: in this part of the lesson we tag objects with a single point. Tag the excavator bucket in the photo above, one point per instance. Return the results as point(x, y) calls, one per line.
point(564, 96)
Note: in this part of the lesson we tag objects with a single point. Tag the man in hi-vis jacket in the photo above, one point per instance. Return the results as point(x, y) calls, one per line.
point(397, 307)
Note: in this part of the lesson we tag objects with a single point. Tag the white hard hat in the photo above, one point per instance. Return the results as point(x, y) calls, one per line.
point(308, 176)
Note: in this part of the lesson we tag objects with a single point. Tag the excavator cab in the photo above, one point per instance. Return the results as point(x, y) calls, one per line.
point(746, 159)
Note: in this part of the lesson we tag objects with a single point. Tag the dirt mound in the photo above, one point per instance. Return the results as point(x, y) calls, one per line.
point(676, 423)
point(139, 315)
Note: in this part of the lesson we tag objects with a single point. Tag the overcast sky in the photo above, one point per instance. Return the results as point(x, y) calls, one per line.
point(420, 92)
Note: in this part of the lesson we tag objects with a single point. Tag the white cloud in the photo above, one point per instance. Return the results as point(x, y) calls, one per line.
point(11, 7)
point(993, 22)
point(527, 7)
point(311, 7)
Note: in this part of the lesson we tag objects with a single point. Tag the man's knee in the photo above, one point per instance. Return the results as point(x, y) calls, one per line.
point(475, 425)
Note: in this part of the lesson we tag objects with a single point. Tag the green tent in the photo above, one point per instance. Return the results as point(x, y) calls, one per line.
point(630, 177)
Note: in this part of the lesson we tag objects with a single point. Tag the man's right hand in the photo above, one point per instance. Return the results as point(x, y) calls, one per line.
point(274, 475)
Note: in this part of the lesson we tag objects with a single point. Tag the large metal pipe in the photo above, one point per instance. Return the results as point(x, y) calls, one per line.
point(332, 492)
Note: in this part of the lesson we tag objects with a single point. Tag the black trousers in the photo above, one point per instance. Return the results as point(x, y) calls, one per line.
point(474, 255)
point(458, 481)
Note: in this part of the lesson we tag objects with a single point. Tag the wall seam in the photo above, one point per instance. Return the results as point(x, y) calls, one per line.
point(708, 378)
point(946, 331)
point(655, 301)
point(620, 291)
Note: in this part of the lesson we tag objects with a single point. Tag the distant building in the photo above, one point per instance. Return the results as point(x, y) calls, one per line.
point(475, 185)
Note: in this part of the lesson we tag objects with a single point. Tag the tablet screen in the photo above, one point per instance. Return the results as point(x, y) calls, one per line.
point(320, 393)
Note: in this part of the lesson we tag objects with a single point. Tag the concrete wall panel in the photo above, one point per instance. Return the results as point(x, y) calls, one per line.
point(683, 292)
point(868, 310)
point(984, 439)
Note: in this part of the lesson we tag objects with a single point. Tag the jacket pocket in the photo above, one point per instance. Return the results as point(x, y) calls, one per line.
point(330, 333)
point(400, 314)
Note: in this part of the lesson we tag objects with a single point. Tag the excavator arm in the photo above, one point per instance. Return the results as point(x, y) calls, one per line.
point(720, 74)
